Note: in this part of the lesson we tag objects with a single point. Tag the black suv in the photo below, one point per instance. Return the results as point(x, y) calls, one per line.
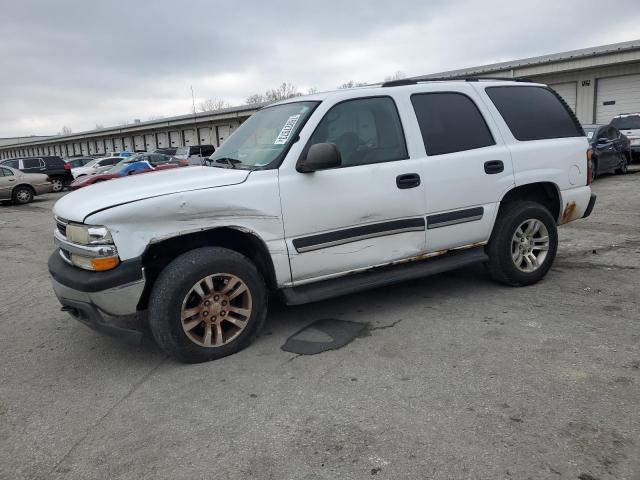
point(194, 154)
point(58, 170)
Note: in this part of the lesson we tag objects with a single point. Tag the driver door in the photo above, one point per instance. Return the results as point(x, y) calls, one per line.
point(368, 211)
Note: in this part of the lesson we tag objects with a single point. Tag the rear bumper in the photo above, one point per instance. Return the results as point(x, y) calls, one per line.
point(592, 203)
point(575, 202)
point(43, 188)
point(99, 299)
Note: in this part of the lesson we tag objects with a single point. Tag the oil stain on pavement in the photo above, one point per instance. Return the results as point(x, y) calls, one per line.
point(323, 335)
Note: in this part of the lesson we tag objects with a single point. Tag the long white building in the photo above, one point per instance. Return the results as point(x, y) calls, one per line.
point(598, 83)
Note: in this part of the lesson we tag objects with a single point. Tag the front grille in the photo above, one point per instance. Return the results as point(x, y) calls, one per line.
point(61, 225)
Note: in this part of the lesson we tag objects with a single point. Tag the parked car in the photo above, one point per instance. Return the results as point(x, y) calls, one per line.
point(611, 150)
point(21, 187)
point(127, 166)
point(58, 171)
point(76, 162)
point(97, 165)
point(629, 126)
point(120, 154)
point(165, 151)
point(194, 154)
point(325, 195)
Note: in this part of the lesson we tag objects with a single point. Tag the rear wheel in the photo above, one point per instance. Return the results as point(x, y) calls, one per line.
point(594, 170)
point(57, 184)
point(22, 195)
point(206, 304)
point(523, 244)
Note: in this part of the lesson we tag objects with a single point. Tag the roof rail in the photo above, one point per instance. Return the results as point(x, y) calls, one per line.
point(410, 81)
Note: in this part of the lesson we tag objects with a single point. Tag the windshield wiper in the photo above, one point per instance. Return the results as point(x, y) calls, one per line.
point(232, 162)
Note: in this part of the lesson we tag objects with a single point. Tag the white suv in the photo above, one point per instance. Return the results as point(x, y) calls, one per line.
point(321, 196)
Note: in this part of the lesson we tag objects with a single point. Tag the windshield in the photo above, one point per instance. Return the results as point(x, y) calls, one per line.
point(182, 153)
point(260, 140)
point(630, 122)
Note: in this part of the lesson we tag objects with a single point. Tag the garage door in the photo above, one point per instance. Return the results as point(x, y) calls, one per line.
point(150, 142)
point(128, 144)
point(174, 138)
point(205, 136)
point(100, 146)
point(139, 143)
point(616, 95)
point(223, 133)
point(189, 137)
point(163, 140)
point(567, 91)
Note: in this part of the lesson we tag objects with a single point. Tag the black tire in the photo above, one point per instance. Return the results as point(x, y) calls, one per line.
point(501, 265)
point(57, 184)
point(624, 167)
point(175, 283)
point(22, 195)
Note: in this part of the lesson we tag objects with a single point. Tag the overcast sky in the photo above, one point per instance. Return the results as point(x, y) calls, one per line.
point(87, 62)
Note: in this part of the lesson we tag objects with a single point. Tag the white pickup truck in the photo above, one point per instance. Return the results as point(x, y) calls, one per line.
point(321, 196)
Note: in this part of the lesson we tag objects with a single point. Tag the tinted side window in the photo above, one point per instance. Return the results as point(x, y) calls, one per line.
point(12, 163)
point(366, 130)
point(207, 150)
point(31, 162)
point(450, 122)
point(533, 113)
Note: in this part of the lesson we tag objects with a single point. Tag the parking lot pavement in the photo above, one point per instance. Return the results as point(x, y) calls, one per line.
point(455, 377)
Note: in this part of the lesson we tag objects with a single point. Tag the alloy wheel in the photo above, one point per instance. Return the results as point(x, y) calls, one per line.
point(57, 184)
point(216, 310)
point(529, 245)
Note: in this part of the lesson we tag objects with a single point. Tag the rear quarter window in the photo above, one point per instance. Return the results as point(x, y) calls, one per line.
point(534, 113)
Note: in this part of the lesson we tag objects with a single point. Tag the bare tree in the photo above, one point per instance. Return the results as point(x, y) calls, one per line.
point(99, 126)
point(255, 98)
point(352, 84)
point(283, 91)
point(312, 90)
point(65, 131)
point(399, 75)
point(213, 104)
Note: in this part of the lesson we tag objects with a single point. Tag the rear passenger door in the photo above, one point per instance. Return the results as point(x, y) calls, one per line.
point(33, 165)
point(466, 166)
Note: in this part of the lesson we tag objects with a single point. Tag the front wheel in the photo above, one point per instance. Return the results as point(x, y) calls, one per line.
point(206, 304)
point(22, 195)
point(523, 244)
point(624, 167)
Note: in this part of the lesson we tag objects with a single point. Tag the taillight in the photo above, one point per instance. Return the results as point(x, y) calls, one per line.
point(589, 166)
point(67, 166)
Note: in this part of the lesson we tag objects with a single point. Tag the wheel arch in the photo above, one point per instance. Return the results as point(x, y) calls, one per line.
point(545, 193)
point(30, 187)
point(159, 254)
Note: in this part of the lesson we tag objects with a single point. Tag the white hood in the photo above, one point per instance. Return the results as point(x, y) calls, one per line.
point(76, 206)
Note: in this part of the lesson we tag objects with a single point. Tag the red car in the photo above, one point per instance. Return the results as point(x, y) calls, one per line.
point(135, 165)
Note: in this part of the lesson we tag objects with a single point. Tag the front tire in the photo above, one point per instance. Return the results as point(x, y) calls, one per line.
point(523, 244)
point(624, 167)
point(206, 304)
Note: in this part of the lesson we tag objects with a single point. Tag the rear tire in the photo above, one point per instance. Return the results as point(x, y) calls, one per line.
point(57, 184)
point(594, 170)
point(523, 244)
point(206, 304)
point(22, 195)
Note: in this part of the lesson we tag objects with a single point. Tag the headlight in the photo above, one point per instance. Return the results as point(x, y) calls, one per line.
point(88, 235)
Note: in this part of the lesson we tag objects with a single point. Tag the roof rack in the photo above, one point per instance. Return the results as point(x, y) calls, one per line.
point(410, 81)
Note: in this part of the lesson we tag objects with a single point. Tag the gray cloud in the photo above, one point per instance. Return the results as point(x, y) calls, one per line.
point(78, 63)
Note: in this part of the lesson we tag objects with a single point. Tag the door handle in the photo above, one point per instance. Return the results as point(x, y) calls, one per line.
point(493, 166)
point(407, 180)
point(12, 179)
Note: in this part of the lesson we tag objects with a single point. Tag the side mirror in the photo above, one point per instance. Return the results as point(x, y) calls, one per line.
point(320, 157)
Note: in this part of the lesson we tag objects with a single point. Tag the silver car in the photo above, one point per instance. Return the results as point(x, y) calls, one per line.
point(21, 187)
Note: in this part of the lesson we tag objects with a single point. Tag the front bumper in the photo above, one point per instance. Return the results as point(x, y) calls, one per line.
point(92, 297)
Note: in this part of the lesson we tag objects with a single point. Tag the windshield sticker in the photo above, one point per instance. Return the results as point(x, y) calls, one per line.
point(284, 134)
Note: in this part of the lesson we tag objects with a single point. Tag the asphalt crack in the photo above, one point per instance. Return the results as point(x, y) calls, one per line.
point(384, 327)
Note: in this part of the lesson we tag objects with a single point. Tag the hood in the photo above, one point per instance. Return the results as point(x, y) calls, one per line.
point(77, 205)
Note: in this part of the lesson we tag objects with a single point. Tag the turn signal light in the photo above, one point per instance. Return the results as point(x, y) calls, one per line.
point(107, 263)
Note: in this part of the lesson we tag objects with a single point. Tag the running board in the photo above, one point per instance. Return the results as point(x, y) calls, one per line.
point(379, 277)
